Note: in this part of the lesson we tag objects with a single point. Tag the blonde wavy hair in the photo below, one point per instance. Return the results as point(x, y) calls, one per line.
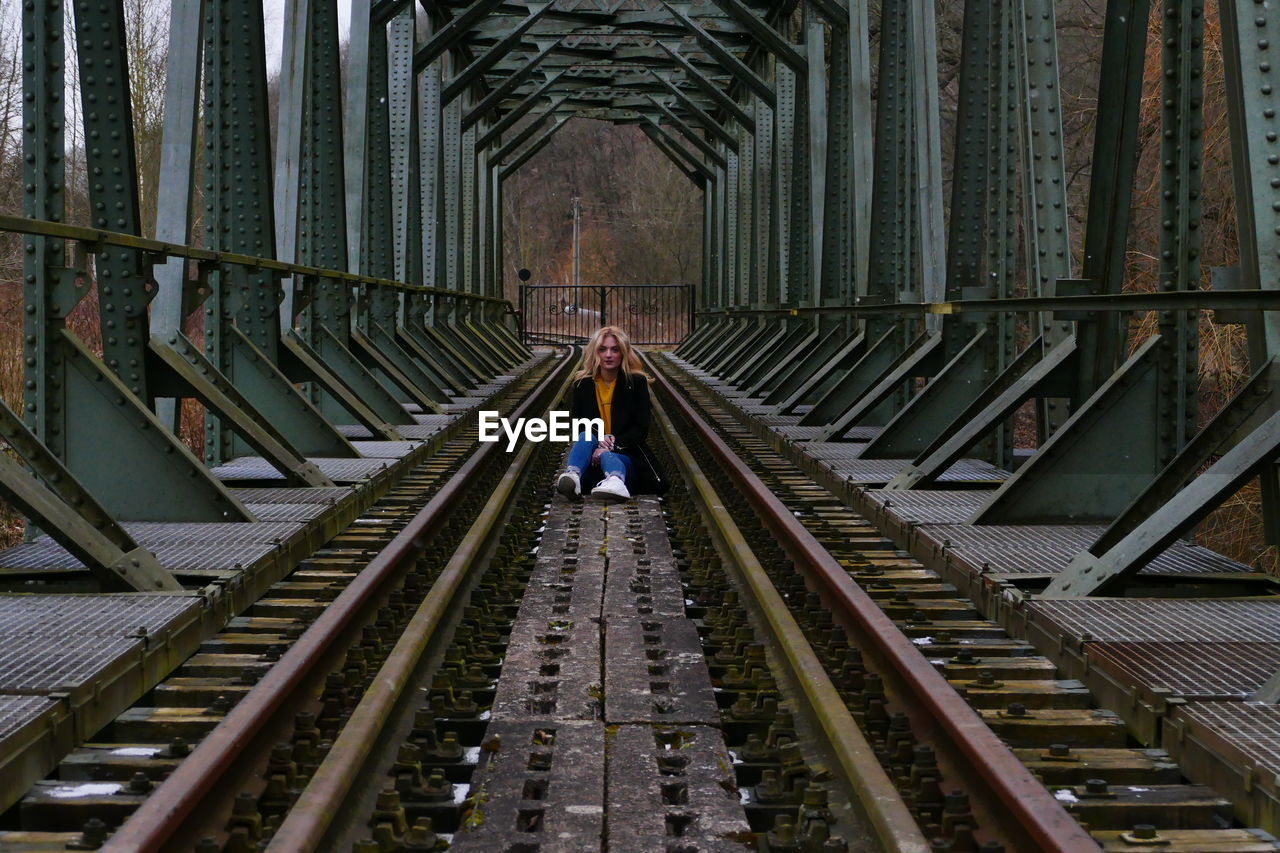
point(591, 357)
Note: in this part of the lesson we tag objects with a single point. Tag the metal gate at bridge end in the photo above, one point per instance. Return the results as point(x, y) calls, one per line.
point(651, 314)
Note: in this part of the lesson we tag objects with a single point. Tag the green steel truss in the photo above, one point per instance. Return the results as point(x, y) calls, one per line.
point(852, 274)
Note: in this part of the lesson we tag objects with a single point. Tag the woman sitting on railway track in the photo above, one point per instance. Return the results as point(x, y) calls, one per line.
point(611, 385)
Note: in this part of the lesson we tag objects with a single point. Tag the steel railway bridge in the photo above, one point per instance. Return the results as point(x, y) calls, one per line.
point(862, 619)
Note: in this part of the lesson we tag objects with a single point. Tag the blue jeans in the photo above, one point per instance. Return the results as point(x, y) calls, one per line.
point(618, 464)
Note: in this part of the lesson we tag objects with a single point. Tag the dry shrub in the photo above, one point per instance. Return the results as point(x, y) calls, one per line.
point(11, 525)
point(191, 425)
point(1236, 530)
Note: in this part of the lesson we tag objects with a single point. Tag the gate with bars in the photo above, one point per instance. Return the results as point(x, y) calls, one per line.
point(652, 314)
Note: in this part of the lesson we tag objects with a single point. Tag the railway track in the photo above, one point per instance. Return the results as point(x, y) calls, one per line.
point(747, 664)
point(353, 582)
point(838, 570)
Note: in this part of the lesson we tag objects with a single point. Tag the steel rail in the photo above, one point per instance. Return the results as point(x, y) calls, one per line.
point(97, 236)
point(305, 825)
point(1026, 813)
point(881, 803)
point(225, 751)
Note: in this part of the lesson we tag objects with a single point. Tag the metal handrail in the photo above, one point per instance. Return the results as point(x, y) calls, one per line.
point(95, 236)
point(1182, 300)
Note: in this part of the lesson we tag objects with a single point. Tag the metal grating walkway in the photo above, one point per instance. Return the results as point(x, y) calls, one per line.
point(1162, 620)
point(1046, 549)
point(1190, 670)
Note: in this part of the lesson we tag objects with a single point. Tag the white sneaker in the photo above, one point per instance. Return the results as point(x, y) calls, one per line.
point(570, 485)
point(612, 488)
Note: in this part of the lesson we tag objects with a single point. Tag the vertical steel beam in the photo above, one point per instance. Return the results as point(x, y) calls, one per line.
point(123, 275)
point(1077, 474)
point(401, 102)
point(176, 182)
point(815, 148)
point(239, 213)
point(1115, 158)
point(467, 199)
point(800, 270)
point(357, 110)
point(290, 129)
point(1181, 151)
point(927, 168)
point(429, 87)
point(711, 242)
point(893, 207)
point(839, 235)
point(860, 133)
point(382, 233)
point(962, 346)
point(774, 263)
point(451, 193)
point(1001, 223)
point(480, 249)
point(969, 197)
point(497, 271)
point(746, 170)
point(732, 224)
point(784, 146)
point(1249, 32)
point(321, 214)
point(761, 199)
point(1044, 187)
point(48, 288)
point(724, 192)
point(324, 354)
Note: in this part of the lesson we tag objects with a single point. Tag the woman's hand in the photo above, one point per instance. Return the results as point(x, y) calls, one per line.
point(603, 446)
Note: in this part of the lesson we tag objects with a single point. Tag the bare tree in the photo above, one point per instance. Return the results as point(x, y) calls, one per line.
point(641, 220)
point(147, 25)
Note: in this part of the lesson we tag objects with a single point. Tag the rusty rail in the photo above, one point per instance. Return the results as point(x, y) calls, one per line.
point(1020, 809)
point(205, 781)
point(886, 816)
point(308, 824)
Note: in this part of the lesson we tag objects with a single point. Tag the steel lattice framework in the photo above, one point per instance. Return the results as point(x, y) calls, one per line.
point(362, 261)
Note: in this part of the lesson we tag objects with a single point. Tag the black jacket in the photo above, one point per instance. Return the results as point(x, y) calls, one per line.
point(629, 418)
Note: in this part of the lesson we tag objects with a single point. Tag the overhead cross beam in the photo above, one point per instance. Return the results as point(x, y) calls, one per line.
point(494, 133)
point(725, 57)
point(701, 117)
point(534, 126)
point(453, 32)
point(765, 35)
point(686, 161)
point(707, 149)
point(493, 55)
point(508, 86)
point(716, 94)
point(534, 147)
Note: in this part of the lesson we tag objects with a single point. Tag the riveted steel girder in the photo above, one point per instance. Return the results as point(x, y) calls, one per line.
point(494, 54)
point(807, 213)
point(731, 63)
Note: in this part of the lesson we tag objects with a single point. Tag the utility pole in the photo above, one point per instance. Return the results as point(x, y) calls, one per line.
point(577, 232)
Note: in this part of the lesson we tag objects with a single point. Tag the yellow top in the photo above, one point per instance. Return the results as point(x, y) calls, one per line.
point(604, 402)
